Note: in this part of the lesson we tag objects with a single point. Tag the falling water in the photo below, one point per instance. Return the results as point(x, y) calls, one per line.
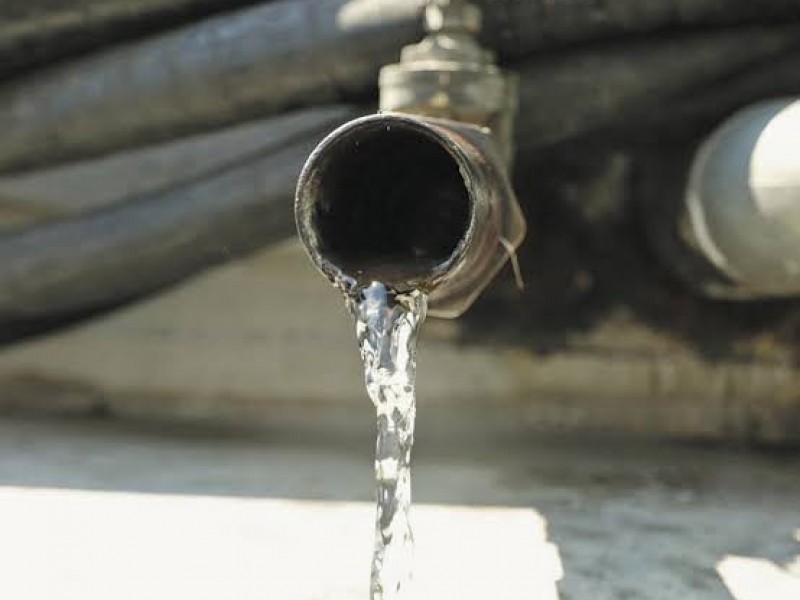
point(387, 326)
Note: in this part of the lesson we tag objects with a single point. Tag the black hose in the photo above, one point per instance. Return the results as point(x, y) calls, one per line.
point(254, 62)
point(570, 95)
point(72, 188)
point(290, 53)
point(516, 29)
point(114, 254)
point(34, 33)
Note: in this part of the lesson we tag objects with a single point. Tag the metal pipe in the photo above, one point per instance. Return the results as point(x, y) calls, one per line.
point(412, 197)
point(412, 202)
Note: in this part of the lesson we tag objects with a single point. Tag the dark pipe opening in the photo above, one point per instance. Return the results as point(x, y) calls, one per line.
point(391, 203)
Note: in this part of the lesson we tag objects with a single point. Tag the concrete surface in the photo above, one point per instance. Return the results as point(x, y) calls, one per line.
point(266, 342)
point(98, 510)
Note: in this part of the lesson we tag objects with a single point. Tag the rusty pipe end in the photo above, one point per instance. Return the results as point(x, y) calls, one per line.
point(413, 202)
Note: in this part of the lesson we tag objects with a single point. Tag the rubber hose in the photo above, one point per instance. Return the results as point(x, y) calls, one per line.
point(517, 29)
point(36, 32)
point(254, 62)
point(620, 85)
point(290, 53)
point(110, 255)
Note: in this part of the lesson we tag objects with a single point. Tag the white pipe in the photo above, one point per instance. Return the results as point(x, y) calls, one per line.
point(743, 199)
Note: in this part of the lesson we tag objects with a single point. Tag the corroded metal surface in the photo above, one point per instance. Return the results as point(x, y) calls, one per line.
point(486, 231)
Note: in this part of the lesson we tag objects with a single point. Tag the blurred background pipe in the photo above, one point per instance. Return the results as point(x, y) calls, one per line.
point(742, 202)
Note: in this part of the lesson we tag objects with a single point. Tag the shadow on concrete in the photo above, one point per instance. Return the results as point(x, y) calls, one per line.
point(629, 520)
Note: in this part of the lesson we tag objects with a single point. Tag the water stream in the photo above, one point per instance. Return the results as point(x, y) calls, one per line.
point(387, 328)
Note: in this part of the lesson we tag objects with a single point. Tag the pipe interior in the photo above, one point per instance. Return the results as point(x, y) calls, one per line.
point(390, 202)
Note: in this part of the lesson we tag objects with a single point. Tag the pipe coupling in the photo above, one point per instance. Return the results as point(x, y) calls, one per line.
point(419, 195)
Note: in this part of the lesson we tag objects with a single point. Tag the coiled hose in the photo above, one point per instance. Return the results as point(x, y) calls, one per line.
point(580, 71)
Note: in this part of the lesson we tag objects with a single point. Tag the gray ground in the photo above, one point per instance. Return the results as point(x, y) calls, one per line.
point(628, 521)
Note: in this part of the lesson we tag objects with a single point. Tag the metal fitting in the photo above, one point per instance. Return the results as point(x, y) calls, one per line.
point(411, 202)
point(419, 195)
point(448, 75)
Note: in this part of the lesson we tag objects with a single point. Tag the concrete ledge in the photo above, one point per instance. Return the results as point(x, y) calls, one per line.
point(263, 342)
point(97, 510)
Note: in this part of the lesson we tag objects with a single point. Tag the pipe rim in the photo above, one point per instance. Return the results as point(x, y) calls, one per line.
point(306, 198)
